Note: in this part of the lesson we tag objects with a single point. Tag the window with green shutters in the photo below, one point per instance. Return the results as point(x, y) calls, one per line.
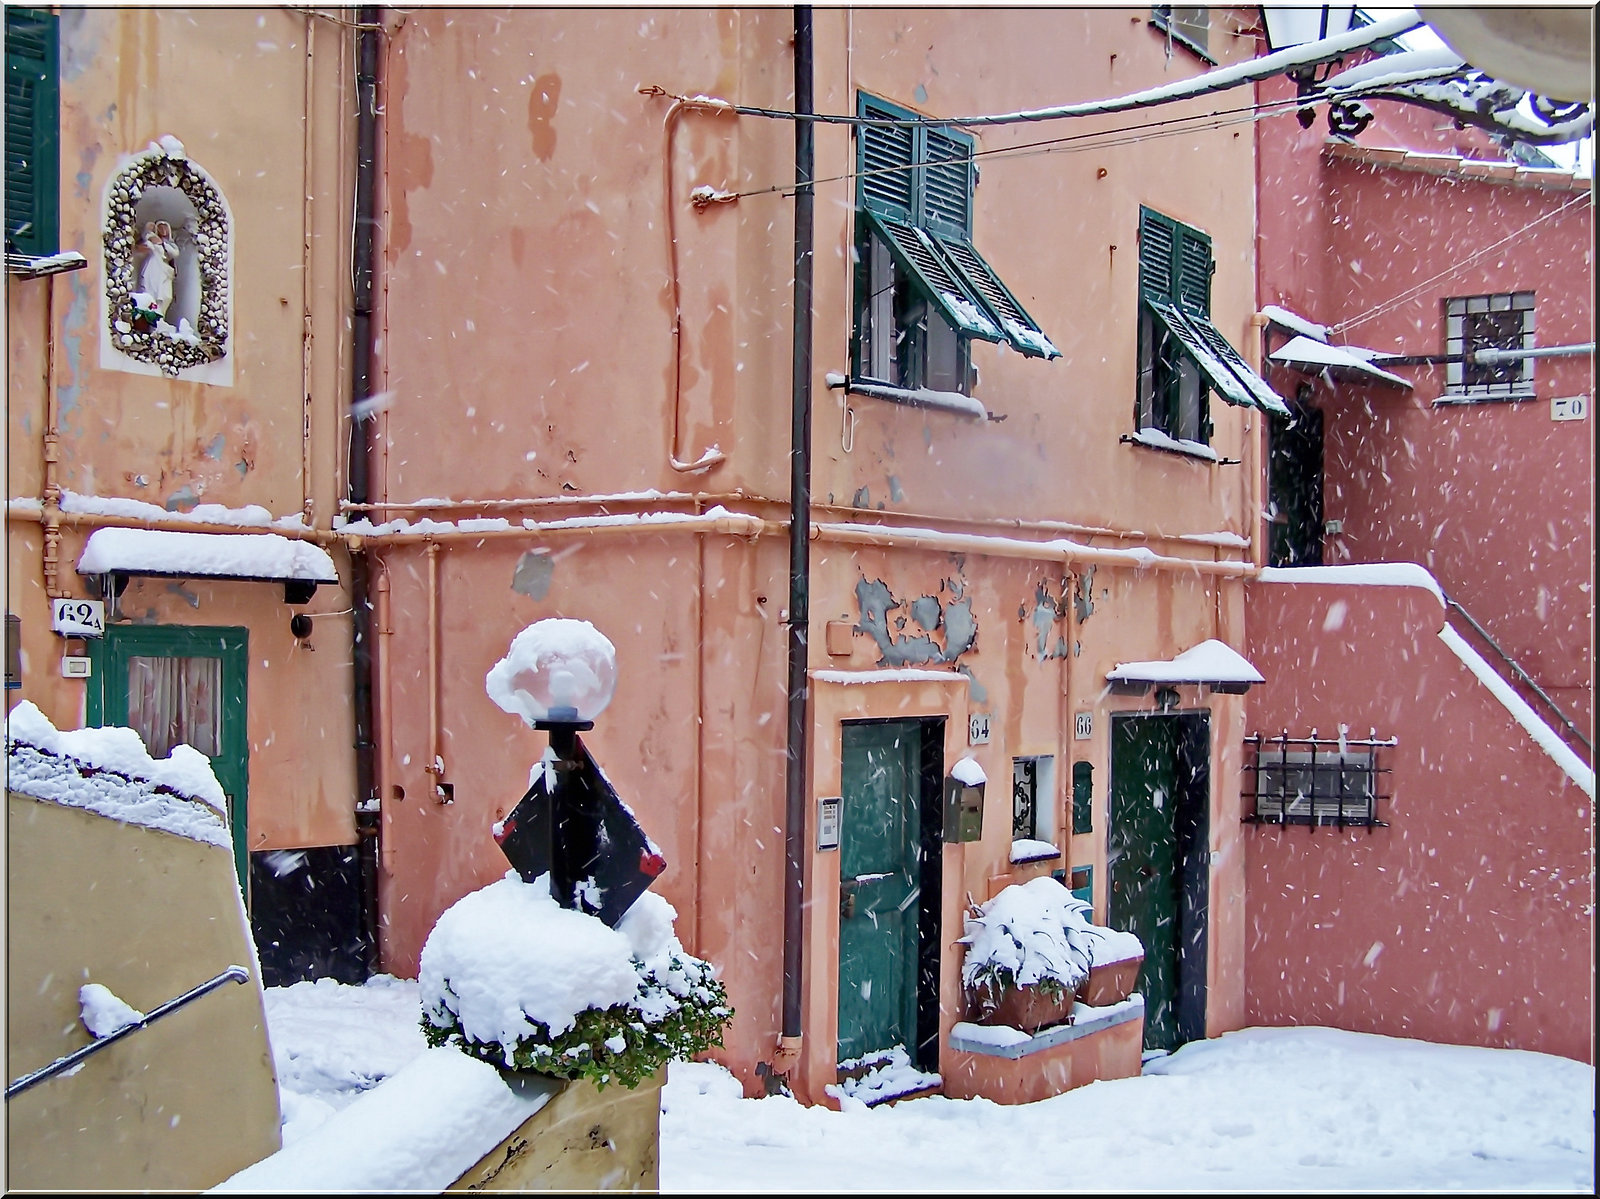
point(1183, 357)
point(32, 132)
point(923, 290)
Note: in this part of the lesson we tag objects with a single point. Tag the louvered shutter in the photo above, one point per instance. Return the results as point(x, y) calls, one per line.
point(1158, 244)
point(32, 137)
point(1021, 330)
point(946, 182)
point(885, 155)
point(1193, 262)
point(920, 259)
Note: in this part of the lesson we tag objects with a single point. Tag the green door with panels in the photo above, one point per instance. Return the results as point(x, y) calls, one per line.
point(1158, 865)
point(181, 684)
point(880, 825)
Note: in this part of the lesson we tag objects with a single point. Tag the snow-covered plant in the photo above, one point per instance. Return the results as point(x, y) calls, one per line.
point(1036, 934)
point(510, 976)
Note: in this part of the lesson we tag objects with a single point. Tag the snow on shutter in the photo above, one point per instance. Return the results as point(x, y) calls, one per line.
point(940, 285)
point(884, 157)
point(1264, 397)
point(1021, 330)
point(1227, 373)
point(31, 133)
point(946, 183)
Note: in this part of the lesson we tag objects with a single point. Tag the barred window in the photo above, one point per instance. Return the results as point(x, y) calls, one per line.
point(1315, 781)
point(1495, 322)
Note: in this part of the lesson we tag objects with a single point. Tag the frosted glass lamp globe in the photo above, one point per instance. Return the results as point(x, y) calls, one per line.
point(558, 670)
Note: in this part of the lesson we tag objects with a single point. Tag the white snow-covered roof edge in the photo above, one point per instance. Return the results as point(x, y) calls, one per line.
point(1211, 661)
point(1294, 322)
point(1537, 728)
point(1372, 574)
point(269, 557)
point(1315, 356)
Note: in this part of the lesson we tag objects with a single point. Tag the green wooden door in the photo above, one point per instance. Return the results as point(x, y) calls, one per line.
point(181, 684)
point(878, 870)
point(1143, 862)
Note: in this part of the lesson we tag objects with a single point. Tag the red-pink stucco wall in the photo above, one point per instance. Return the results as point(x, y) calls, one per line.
point(1469, 919)
point(1496, 499)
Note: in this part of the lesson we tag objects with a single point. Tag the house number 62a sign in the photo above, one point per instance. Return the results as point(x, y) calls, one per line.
point(78, 617)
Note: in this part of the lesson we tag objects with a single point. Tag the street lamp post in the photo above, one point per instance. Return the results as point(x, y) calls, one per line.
point(571, 825)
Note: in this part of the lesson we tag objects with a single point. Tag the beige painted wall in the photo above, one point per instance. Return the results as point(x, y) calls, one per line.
point(260, 99)
point(179, 1105)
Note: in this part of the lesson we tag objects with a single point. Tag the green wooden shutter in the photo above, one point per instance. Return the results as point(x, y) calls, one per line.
point(946, 182)
point(1194, 267)
point(1021, 330)
point(919, 258)
point(885, 155)
point(32, 131)
point(1158, 244)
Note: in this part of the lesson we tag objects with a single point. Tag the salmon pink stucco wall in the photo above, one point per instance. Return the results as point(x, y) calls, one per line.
point(1469, 919)
point(564, 335)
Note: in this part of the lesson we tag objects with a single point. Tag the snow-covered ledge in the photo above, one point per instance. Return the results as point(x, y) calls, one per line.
point(999, 1041)
point(953, 402)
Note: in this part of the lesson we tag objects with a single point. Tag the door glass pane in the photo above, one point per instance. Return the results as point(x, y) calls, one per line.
point(173, 701)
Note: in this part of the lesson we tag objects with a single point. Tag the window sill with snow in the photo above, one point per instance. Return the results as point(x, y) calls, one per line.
point(953, 402)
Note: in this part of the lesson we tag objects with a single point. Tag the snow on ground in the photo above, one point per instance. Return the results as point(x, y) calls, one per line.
point(1307, 1109)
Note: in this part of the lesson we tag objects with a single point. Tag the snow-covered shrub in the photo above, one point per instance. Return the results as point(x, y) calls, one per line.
point(510, 976)
point(1036, 934)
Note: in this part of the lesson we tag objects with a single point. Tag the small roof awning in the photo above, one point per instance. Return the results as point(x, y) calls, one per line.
point(247, 557)
point(1212, 663)
point(1342, 362)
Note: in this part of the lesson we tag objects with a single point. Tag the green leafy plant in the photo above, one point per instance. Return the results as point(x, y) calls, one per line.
point(677, 1012)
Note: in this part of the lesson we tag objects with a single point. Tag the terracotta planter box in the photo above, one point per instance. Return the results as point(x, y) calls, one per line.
point(1110, 983)
point(1027, 1008)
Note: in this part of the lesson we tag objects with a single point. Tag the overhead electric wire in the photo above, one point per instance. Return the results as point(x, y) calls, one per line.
point(1417, 288)
point(1121, 136)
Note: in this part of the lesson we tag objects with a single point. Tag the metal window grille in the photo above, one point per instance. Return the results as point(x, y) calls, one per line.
point(1494, 322)
point(1024, 798)
point(1316, 781)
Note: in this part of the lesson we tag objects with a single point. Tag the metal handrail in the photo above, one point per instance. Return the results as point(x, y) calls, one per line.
point(1522, 675)
point(236, 974)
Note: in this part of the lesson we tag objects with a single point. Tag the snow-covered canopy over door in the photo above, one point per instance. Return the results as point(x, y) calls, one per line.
point(250, 557)
point(1341, 362)
point(1212, 663)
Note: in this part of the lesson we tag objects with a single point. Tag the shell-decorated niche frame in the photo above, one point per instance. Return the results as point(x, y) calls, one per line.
point(165, 164)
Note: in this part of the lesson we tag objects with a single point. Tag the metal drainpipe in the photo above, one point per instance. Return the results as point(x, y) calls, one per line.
point(799, 542)
point(366, 813)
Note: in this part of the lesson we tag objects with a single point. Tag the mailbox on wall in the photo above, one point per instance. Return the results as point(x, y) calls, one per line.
point(963, 810)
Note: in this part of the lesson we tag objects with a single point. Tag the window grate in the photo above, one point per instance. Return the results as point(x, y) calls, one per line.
point(1502, 321)
point(1315, 781)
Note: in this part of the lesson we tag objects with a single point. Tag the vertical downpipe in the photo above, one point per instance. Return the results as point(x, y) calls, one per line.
point(366, 813)
point(799, 538)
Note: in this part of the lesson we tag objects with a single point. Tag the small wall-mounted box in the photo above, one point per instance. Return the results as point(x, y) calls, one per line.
point(963, 811)
point(75, 666)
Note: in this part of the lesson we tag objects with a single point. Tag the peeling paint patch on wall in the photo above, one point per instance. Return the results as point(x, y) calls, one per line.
point(1083, 594)
point(1047, 616)
point(533, 574)
point(949, 627)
